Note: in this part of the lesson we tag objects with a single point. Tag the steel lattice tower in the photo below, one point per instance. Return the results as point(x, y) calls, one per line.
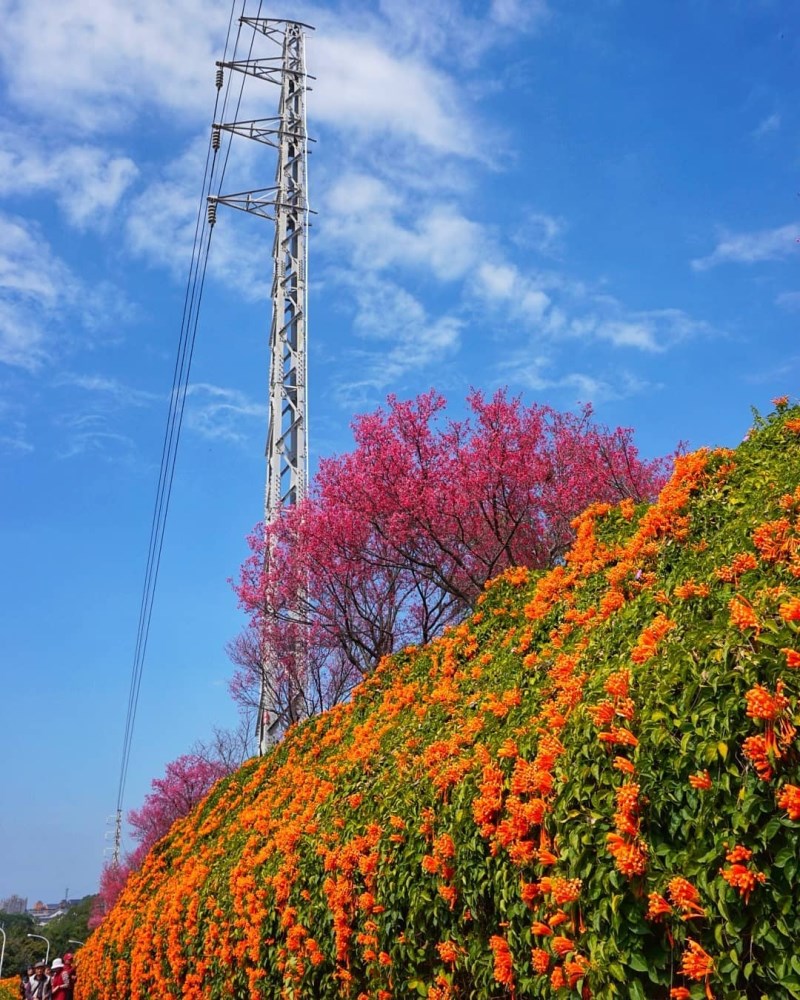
point(286, 205)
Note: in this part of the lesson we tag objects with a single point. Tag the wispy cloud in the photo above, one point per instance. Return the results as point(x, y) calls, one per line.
point(44, 306)
point(90, 434)
point(540, 373)
point(34, 286)
point(771, 123)
point(389, 314)
point(541, 233)
point(221, 414)
point(109, 388)
point(86, 181)
point(752, 248)
point(788, 300)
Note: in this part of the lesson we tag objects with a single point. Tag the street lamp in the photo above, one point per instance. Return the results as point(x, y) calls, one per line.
point(2, 952)
point(41, 937)
point(80, 944)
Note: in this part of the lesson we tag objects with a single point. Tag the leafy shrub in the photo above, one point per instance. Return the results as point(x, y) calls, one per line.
point(591, 787)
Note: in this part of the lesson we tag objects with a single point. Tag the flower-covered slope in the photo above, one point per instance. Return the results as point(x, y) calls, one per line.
point(591, 787)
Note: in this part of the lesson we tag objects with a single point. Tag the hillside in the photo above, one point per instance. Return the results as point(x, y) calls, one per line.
point(591, 787)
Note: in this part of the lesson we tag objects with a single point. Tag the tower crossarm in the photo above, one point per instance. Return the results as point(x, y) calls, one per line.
point(267, 130)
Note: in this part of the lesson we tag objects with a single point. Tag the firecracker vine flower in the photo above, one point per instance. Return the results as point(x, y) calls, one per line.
point(789, 799)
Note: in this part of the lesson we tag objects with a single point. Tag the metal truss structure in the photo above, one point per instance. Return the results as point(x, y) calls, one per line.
point(286, 205)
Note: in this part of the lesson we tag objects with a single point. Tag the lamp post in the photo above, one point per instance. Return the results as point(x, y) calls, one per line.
point(2, 951)
point(41, 937)
point(80, 944)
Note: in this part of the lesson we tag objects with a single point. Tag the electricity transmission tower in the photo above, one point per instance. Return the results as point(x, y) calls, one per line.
point(286, 205)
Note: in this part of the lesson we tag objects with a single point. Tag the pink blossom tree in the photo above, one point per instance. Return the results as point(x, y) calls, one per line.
point(185, 783)
point(398, 537)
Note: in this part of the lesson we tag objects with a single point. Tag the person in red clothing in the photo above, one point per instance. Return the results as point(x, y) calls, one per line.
point(59, 980)
point(69, 967)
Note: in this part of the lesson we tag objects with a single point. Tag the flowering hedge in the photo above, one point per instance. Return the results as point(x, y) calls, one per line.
point(9, 988)
point(591, 787)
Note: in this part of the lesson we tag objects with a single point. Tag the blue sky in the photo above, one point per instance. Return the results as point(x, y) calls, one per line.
point(593, 202)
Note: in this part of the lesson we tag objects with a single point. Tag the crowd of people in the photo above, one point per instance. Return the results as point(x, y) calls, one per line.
point(48, 982)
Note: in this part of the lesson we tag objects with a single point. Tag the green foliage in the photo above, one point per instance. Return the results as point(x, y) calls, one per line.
point(20, 950)
point(72, 925)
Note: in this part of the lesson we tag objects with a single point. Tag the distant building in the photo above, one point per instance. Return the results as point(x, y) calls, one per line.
point(43, 913)
point(13, 904)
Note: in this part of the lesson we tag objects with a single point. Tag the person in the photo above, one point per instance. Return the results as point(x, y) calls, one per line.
point(59, 982)
point(72, 972)
point(25, 974)
point(40, 983)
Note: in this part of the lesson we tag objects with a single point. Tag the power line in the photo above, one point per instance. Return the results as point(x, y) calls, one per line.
point(177, 402)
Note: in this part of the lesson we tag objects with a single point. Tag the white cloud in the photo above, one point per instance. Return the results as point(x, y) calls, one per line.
point(504, 284)
point(767, 125)
point(364, 88)
point(518, 13)
point(96, 65)
point(34, 284)
point(109, 388)
point(751, 248)
point(162, 224)
point(389, 314)
point(535, 372)
point(45, 309)
point(366, 217)
point(540, 232)
point(221, 414)
point(87, 182)
point(14, 438)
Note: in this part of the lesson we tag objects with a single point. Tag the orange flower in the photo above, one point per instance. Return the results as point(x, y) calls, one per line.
point(576, 969)
point(701, 781)
point(448, 952)
point(624, 765)
point(618, 684)
point(538, 929)
point(793, 426)
point(629, 857)
point(742, 878)
point(780, 401)
point(565, 890)
point(757, 752)
point(696, 963)
point(624, 737)
point(763, 705)
point(645, 648)
point(789, 799)
point(739, 853)
point(503, 961)
point(540, 960)
point(741, 563)
point(658, 907)
point(562, 946)
point(449, 894)
point(691, 589)
point(790, 610)
point(742, 614)
point(687, 899)
point(792, 658)
point(679, 993)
